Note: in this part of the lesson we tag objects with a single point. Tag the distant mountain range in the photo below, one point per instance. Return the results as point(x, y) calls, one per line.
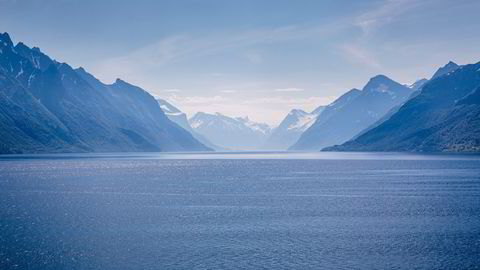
point(180, 118)
point(291, 128)
point(239, 133)
point(47, 106)
point(443, 117)
point(353, 112)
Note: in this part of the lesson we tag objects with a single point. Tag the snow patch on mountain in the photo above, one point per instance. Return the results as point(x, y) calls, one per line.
point(290, 129)
point(304, 121)
point(180, 118)
point(238, 133)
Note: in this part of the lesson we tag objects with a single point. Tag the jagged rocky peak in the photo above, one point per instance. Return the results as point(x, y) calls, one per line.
point(380, 83)
point(6, 44)
point(21, 45)
point(5, 40)
point(451, 64)
point(449, 67)
point(38, 59)
point(297, 112)
point(120, 81)
point(380, 78)
point(72, 113)
point(453, 101)
point(126, 86)
point(81, 69)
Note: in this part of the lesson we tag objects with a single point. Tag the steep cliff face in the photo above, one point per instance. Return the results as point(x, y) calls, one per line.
point(49, 107)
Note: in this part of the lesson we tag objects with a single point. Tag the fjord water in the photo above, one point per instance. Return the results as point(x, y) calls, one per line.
point(240, 210)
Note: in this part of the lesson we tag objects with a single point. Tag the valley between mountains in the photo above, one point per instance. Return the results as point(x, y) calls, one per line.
point(48, 106)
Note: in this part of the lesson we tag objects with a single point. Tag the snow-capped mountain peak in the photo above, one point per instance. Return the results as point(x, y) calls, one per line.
point(383, 84)
point(292, 126)
point(300, 120)
point(303, 122)
point(230, 132)
point(180, 118)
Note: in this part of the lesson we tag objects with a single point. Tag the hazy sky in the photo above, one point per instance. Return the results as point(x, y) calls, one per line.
point(257, 58)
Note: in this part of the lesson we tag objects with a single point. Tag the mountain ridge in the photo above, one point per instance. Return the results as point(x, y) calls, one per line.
point(353, 112)
point(236, 133)
point(180, 118)
point(291, 128)
point(49, 107)
point(443, 117)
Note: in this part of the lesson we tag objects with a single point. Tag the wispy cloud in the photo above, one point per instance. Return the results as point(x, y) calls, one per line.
point(292, 89)
point(371, 21)
point(386, 12)
point(359, 55)
point(176, 48)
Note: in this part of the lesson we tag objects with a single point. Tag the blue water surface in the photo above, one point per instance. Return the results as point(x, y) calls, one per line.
point(240, 211)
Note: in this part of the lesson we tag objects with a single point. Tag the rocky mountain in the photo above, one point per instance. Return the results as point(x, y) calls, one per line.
point(174, 114)
point(239, 133)
point(291, 127)
point(180, 118)
point(449, 67)
point(337, 106)
point(443, 117)
point(358, 111)
point(47, 106)
point(416, 87)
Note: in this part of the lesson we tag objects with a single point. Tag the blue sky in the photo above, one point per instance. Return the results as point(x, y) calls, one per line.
point(257, 58)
